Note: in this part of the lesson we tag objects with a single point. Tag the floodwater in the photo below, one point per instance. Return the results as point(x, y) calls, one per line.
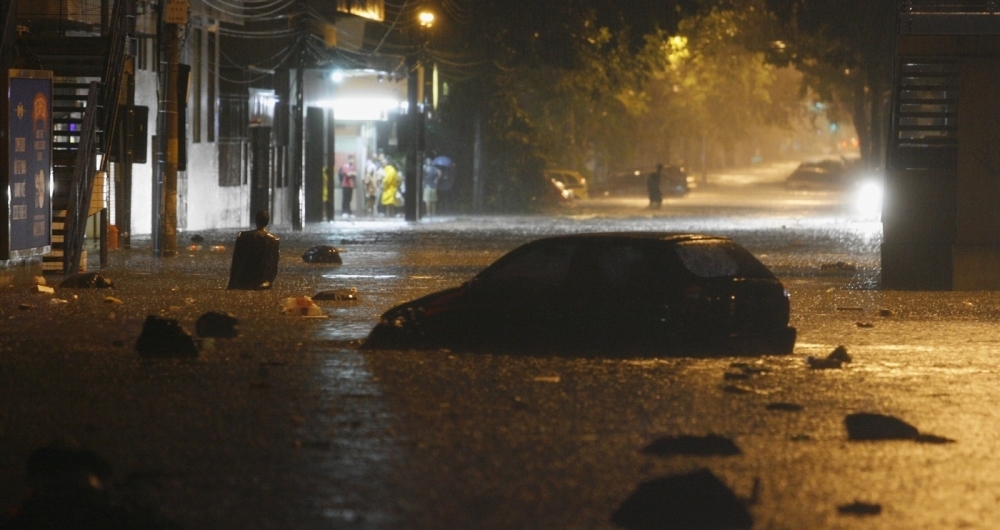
point(289, 425)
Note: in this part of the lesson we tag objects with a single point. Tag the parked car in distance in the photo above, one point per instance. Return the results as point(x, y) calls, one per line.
point(568, 183)
point(823, 175)
point(619, 294)
point(810, 177)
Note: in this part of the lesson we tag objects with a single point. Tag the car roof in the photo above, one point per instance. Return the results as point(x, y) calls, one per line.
point(670, 237)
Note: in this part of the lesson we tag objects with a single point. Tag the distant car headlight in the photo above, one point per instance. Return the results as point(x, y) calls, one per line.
point(868, 199)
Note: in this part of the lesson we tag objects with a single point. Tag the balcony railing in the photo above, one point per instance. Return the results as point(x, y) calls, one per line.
point(950, 6)
point(949, 17)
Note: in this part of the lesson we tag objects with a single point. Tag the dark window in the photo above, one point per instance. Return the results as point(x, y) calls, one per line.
point(539, 267)
point(623, 268)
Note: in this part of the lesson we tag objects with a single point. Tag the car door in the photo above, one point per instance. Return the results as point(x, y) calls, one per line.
point(523, 299)
point(618, 288)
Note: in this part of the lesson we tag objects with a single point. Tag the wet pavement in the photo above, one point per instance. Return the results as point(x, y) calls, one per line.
point(288, 425)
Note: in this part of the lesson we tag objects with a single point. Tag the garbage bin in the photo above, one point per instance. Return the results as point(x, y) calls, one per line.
point(112, 237)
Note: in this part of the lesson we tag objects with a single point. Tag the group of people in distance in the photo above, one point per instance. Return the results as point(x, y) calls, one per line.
point(383, 186)
point(255, 255)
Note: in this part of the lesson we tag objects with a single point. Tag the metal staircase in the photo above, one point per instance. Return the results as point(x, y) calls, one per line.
point(89, 74)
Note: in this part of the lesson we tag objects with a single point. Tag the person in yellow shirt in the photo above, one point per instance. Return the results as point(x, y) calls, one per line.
point(390, 185)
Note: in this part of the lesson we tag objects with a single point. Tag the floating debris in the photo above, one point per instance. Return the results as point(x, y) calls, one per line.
point(112, 300)
point(836, 359)
point(302, 306)
point(42, 289)
point(694, 500)
point(197, 239)
point(322, 254)
point(859, 508)
point(844, 266)
point(884, 313)
point(864, 324)
point(164, 337)
point(547, 379)
point(217, 324)
point(86, 280)
point(709, 445)
point(737, 389)
point(870, 426)
point(26, 307)
point(785, 407)
point(338, 295)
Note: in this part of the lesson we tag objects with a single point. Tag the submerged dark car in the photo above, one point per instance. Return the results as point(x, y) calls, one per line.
point(626, 294)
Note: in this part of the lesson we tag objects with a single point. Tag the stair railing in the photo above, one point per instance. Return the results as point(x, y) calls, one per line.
point(81, 186)
point(106, 97)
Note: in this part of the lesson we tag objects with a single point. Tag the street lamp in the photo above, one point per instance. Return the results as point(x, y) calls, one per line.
point(426, 19)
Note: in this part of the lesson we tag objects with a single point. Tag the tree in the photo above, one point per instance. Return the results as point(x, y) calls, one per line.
point(845, 48)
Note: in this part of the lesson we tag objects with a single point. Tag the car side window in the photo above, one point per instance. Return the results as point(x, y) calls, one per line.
point(719, 259)
point(539, 267)
point(624, 268)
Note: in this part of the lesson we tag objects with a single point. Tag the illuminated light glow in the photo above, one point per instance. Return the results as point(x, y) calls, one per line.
point(361, 109)
point(426, 19)
point(337, 76)
point(868, 199)
point(370, 9)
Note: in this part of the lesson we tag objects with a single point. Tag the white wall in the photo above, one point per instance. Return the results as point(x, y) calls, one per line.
point(142, 174)
point(209, 206)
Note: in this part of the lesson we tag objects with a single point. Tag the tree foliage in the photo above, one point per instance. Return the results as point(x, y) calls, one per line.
point(845, 49)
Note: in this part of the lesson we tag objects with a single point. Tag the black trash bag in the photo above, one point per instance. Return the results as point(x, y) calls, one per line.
point(164, 337)
point(217, 324)
point(69, 489)
point(710, 445)
point(322, 254)
point(338, 295)
point(697, 500)
point(255, 260)
point(870, 426)
point(87, 280)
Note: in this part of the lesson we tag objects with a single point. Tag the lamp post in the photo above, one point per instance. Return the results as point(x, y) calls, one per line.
point(415, 123)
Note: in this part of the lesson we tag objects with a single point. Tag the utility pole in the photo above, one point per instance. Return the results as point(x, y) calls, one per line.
point(176, 12)
point(414, 123)
point(298, 119)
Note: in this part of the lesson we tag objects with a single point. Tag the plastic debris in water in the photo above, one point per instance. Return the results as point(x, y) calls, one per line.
point(695, 500)
point(164, 337)
point(302, 306)
point(217, 324)
point(859, 508)
point(863, 426)
point(322, 254)
point(836, 359)
point(709, 445)
point(338, 295)
point(87, 280)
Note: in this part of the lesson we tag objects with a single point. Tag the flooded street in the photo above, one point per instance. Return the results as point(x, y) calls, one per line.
point(289, 425)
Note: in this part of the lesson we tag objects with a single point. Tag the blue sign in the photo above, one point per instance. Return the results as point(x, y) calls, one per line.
point(29, 160)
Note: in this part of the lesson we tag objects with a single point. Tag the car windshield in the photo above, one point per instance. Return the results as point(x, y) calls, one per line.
point(720, 259)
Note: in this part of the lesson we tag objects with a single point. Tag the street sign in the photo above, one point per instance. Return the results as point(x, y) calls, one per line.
point(176, 12)
point(27, 182)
